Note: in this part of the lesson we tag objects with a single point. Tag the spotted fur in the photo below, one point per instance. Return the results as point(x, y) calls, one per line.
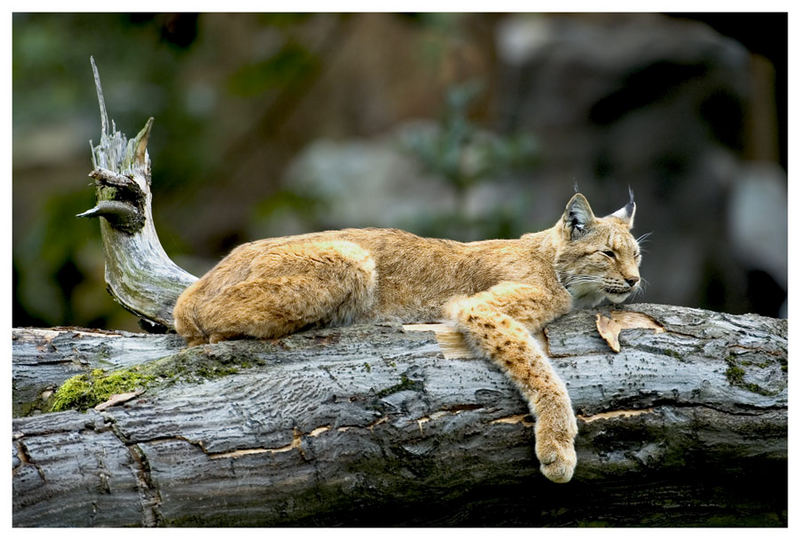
point(498, 292)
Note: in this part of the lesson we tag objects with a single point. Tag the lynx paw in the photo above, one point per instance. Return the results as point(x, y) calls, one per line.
point(555, 446)
point(557, 460)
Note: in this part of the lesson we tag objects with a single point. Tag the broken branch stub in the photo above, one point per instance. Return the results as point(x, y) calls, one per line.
point(138, 272)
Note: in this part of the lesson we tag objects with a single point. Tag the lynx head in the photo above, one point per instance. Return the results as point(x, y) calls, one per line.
point(597, 258)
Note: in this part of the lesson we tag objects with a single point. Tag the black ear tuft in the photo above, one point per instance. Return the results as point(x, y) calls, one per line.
point(627, 212)
point(578, 217)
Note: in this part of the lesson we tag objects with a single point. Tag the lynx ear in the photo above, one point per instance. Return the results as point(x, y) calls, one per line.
point(627, 212)
point(578, 217)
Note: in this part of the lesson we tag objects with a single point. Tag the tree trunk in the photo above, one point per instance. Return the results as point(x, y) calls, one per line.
point(386, 425)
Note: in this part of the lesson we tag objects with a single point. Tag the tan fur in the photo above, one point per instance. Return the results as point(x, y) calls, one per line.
point(496, 291)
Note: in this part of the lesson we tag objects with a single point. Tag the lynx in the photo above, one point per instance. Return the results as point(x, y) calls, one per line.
point(497, 292)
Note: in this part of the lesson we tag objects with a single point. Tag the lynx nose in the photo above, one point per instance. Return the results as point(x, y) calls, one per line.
point(632, 281)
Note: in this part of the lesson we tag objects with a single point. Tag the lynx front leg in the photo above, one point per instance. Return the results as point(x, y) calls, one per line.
point(485, 322)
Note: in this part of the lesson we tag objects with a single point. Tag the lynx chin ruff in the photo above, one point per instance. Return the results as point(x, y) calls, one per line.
point(496, 291)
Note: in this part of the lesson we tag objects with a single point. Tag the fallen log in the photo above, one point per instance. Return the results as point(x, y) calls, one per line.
point(381, 425)
point(384, 424)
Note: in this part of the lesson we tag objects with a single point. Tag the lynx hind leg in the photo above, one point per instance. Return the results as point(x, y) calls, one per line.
point(508, 344)
point(291, 287)
point(183, 315)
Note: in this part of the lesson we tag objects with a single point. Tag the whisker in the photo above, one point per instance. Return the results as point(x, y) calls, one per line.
point(574, 280)
point(640, 290)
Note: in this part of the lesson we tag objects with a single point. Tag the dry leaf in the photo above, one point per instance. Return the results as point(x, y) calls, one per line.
point(116, 399)
point(609, 328)
point(609, 331)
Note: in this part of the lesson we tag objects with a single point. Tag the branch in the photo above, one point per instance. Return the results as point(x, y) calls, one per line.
point(139, 274)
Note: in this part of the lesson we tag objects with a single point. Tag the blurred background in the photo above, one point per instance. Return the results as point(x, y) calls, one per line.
point(466, 126)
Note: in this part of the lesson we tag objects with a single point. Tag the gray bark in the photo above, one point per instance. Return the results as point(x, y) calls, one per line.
point(374, 425)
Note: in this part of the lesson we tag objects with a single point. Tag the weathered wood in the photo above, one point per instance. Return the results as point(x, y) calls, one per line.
point(46, 357)
point(138, 272)
point(374, 425)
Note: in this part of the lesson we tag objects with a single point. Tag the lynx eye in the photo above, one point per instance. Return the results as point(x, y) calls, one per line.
point(610, 254)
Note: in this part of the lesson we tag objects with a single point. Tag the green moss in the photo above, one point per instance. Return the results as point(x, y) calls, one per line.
point(85, 391)
point(72, 394)
point(735, 375)
point(215, 372)
point(201, 363)
point(404, 384)
point(193, 364)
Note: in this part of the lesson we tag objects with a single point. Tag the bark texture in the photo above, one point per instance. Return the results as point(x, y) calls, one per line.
point(138, 273)
point(381, 425)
